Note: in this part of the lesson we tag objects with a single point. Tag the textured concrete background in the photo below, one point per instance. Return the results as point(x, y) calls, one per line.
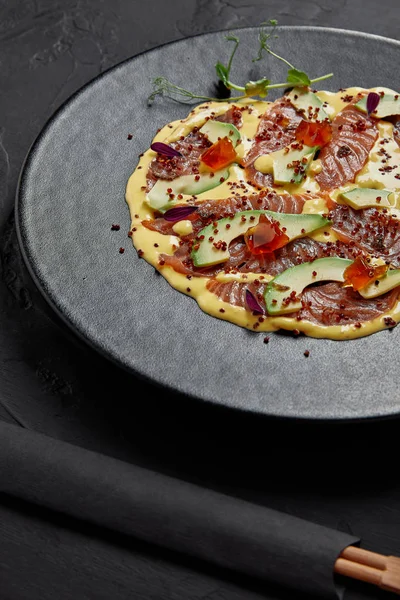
point(51, 383)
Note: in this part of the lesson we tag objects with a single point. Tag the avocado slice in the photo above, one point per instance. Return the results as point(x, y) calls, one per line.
point(282, 163)
point(389, 105)
point(297, 278)
point(283, 173)
point(307, 101)
point(206, 253)
point(367, 197)
point(159, 197)
point(216, 130)
point(386, 283)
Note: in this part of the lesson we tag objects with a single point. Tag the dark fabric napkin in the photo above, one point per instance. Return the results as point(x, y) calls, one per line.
point(225, 531)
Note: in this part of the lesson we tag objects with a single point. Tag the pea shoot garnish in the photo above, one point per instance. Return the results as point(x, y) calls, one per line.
point(261, 87)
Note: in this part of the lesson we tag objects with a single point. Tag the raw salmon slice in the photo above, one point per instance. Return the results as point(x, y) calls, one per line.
point(276, 130)
point(353, 136)
point(212, 210)
point(234, 292)
point(191, 148)
point(242, 260)
point(374, 231)
point(332, 304)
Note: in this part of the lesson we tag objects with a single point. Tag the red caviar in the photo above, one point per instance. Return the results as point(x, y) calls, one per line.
point(314, 134)
point(219, 155)
point(265, 237)
point(360, 273)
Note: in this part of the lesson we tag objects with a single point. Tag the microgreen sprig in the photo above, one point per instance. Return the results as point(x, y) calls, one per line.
point(264, 36)
point(261, 87)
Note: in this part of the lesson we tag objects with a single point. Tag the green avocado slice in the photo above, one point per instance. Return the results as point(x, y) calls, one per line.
point(389, 105)
point(211, 252)
point(288, 165)
point(367, 197)
point(159, 197)
point(216, 130)
point(307, 101)
point(285, 169)
point(294, 280)
point(381, 286)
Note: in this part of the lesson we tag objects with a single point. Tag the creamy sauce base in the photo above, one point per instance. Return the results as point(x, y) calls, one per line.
point(153, 243)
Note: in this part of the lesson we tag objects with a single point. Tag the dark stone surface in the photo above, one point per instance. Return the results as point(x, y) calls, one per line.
point(340, 476)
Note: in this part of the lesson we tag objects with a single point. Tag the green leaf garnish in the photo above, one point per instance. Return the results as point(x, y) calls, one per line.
point(264, 36)
point(295, 77)
point(298, 78)
point(163, 87)
point(257, 88)
point(222, 72)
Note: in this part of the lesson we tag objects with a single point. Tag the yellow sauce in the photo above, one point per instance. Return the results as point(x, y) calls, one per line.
point(152, 244)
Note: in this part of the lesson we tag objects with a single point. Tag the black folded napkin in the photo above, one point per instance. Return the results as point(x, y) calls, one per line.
point(168, 512)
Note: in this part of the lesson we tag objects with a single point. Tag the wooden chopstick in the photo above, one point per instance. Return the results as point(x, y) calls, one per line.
point(380, 570)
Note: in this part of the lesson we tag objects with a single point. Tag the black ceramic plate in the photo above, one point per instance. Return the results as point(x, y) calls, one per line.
point(72, 190)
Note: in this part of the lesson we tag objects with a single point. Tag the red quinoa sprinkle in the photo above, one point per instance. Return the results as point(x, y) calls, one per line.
point(121, 250)
point(306, 353)
point(115, 227)
point(389, 322)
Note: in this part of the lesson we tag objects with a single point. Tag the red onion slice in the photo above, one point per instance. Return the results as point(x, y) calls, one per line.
point(253, 304)
point(372, 102)
point(178, 213)
point(165, 149)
